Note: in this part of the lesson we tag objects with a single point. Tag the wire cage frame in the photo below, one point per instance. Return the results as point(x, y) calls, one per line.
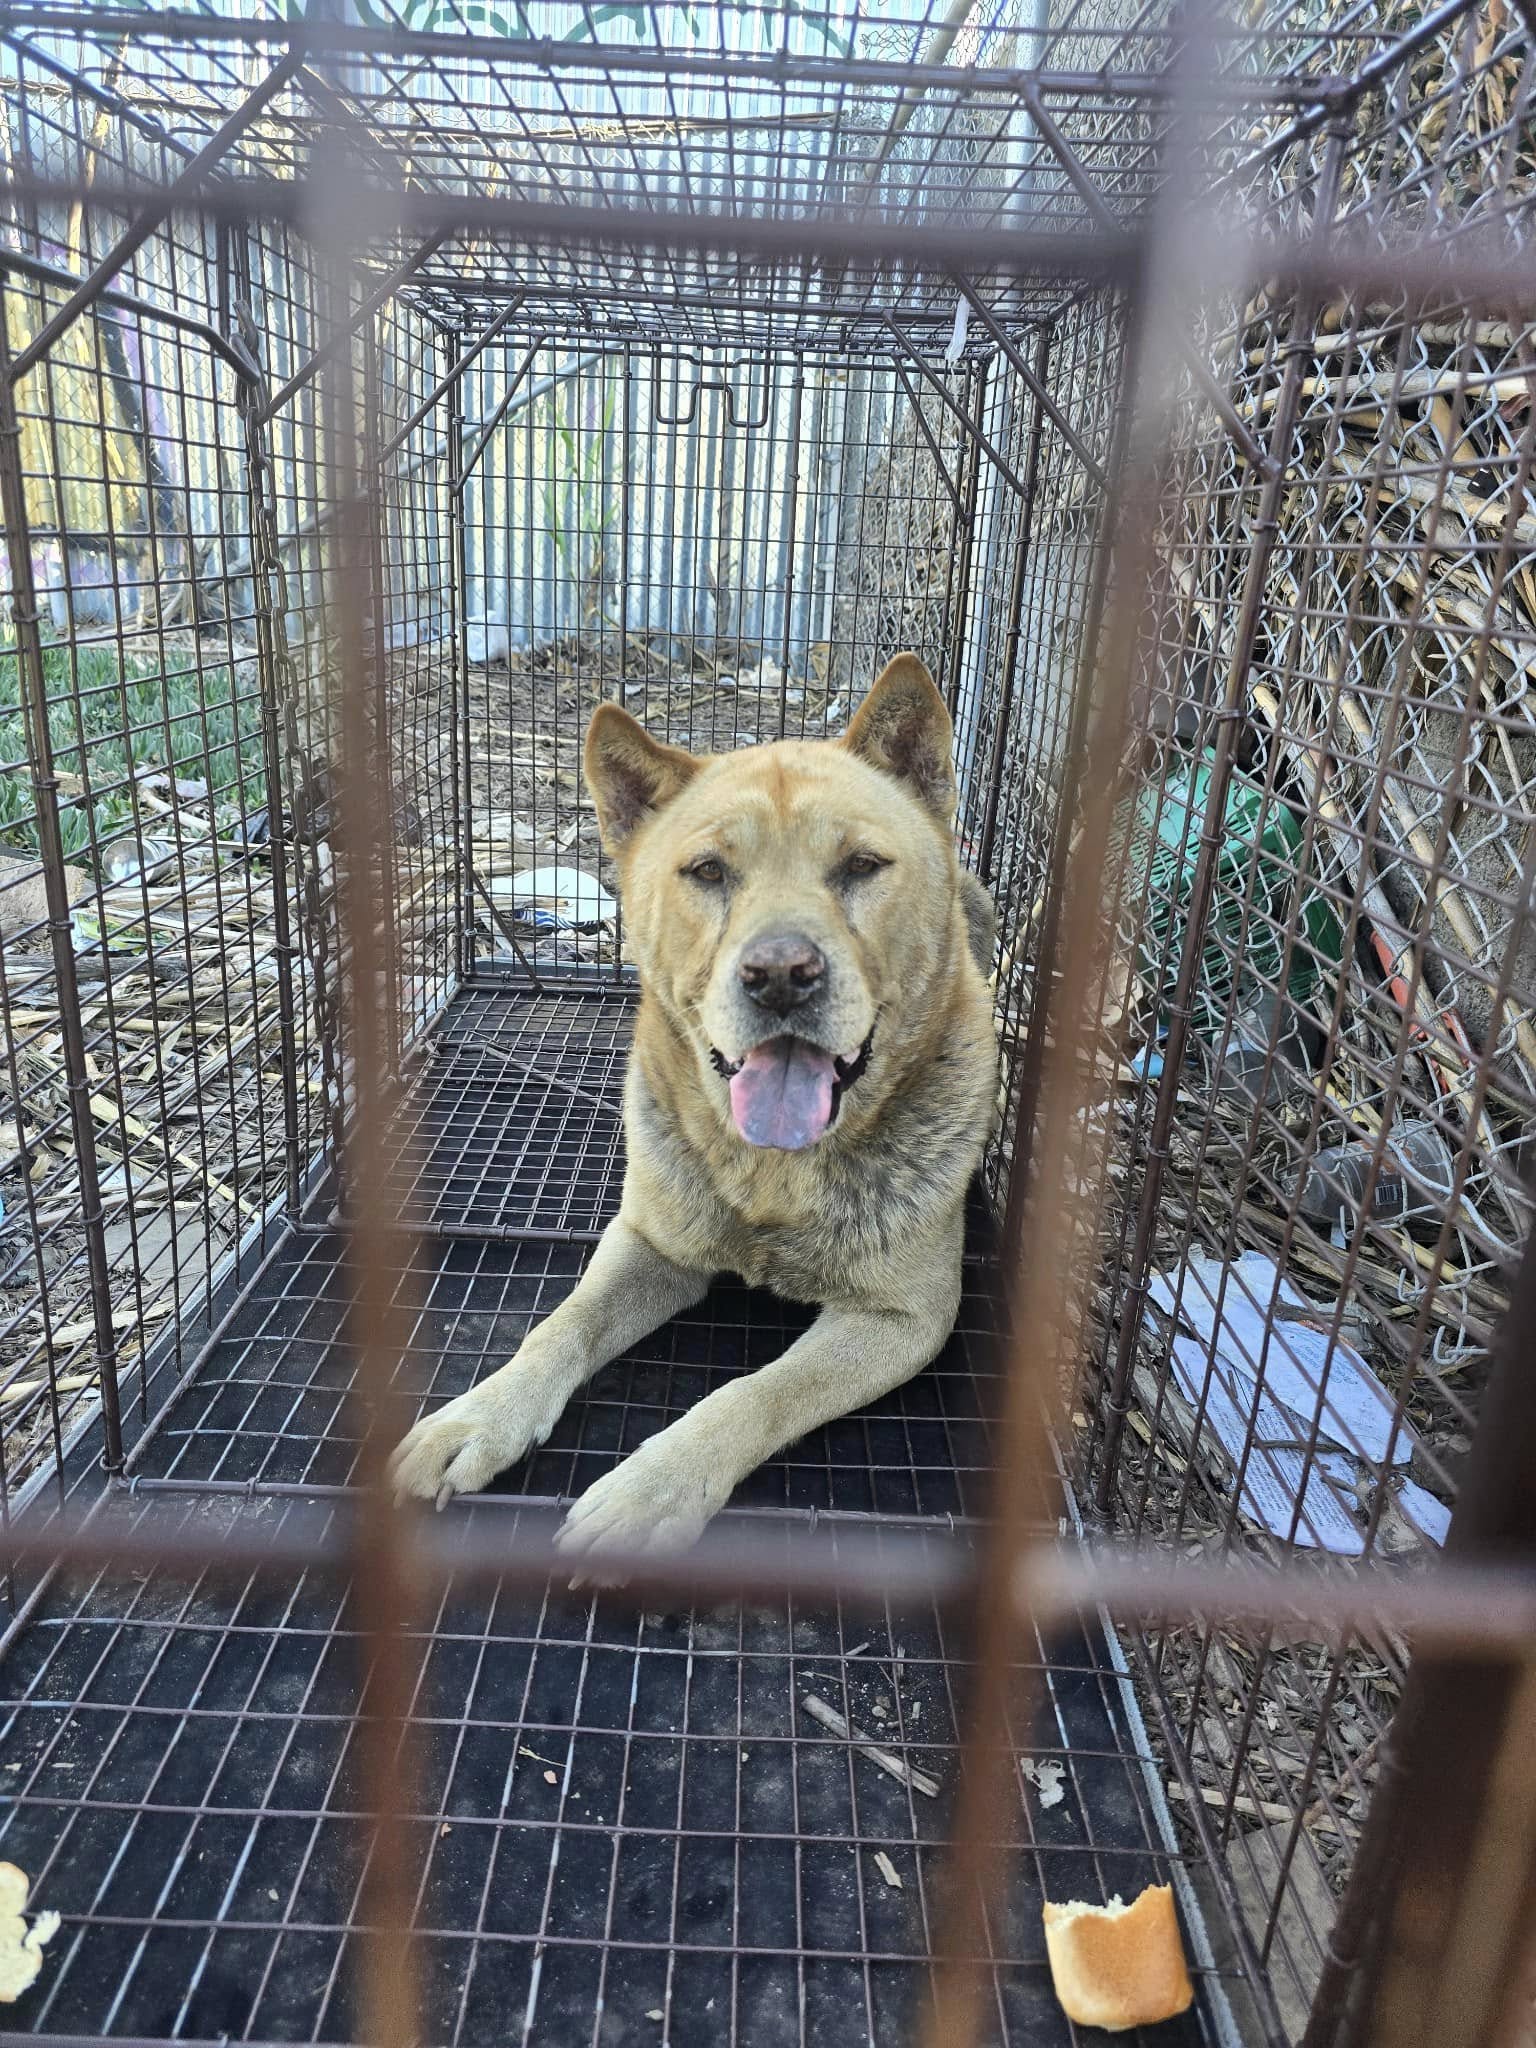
point(378, 395)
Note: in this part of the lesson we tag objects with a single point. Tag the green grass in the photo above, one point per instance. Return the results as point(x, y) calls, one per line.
point(110, 718)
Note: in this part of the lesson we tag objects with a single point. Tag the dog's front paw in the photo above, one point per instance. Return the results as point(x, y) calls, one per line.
point(464, 1445)
point(658, 1500)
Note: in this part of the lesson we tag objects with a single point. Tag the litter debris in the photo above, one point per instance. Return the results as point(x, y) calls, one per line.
point(1046, 1778)
point(577, 900)
point(888, 1871)
point(1259, 859)
point(1239, 1802)
point(655, 2013)
point(524, 1750)
point(1430, 1517)
point(551, 1777)
point(21, 1947)
point(1146, 1064)
point(1268, 1041)
point(1413, 1180)
point(126, 859)
point(1298, 1362)
point(487, 640)
point(1265, 1375)
point(1281, 1490)
point(891, 1765)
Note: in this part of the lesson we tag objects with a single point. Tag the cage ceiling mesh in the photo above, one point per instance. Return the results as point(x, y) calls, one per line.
point(571, 129)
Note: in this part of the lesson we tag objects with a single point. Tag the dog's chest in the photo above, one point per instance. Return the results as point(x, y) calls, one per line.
point(802, 1262)
point(810, 1235)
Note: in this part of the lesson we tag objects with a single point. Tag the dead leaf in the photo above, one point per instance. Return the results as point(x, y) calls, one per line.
point(888, 1871)
point(18, 1390)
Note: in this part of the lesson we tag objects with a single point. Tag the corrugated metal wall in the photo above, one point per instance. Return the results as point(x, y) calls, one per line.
point(686, 495)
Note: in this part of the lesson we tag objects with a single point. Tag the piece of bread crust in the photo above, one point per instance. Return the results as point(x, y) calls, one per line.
point(1116, 1966)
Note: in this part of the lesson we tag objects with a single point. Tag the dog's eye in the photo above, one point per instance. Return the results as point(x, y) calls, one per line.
point(864, 864)
point(710, 871)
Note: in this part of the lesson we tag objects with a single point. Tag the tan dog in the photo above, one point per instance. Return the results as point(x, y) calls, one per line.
point(810, 1089)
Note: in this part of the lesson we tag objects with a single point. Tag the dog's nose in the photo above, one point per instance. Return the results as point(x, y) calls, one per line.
point(781, 971)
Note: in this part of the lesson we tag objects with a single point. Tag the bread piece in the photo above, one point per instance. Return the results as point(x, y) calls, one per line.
point(21, 1946)
point(1116, 1966)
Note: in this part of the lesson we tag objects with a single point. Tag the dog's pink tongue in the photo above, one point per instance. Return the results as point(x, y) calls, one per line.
point(781, 1095)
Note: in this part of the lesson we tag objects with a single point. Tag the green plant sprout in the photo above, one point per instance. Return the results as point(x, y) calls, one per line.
point(129, 716)
point(579, 508)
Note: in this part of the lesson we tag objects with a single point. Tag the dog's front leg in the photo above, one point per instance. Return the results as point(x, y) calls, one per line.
point(628, 1290)
point(664, 1493)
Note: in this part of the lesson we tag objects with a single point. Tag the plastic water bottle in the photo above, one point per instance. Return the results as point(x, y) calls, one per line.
point(1412, 1181)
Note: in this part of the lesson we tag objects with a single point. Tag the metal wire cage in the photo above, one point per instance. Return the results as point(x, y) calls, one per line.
point(380, 393)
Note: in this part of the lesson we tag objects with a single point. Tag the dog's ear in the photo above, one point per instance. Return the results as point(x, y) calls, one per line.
point(631, 776)
point(903, 728)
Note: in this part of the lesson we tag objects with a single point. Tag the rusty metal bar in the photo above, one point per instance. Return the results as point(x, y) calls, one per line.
point(972, 431)
point(951, 488)
point(1442, 1841)
point(277, 681)
point(1080, 720)
point(1252, 450)
point(45, 788)
point(1042, 1290)
point(365, 850)
point(181, 189)
point(1477, 1612)
point(466, 468)
point(352, 323)
point(1021, 556)
point(448, 382)
point(1475, 273)
point(1228, 716)
point(1034, 382)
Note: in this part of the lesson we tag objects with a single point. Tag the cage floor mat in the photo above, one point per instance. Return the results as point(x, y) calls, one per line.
point(514, 1122)
point(628, 1828)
